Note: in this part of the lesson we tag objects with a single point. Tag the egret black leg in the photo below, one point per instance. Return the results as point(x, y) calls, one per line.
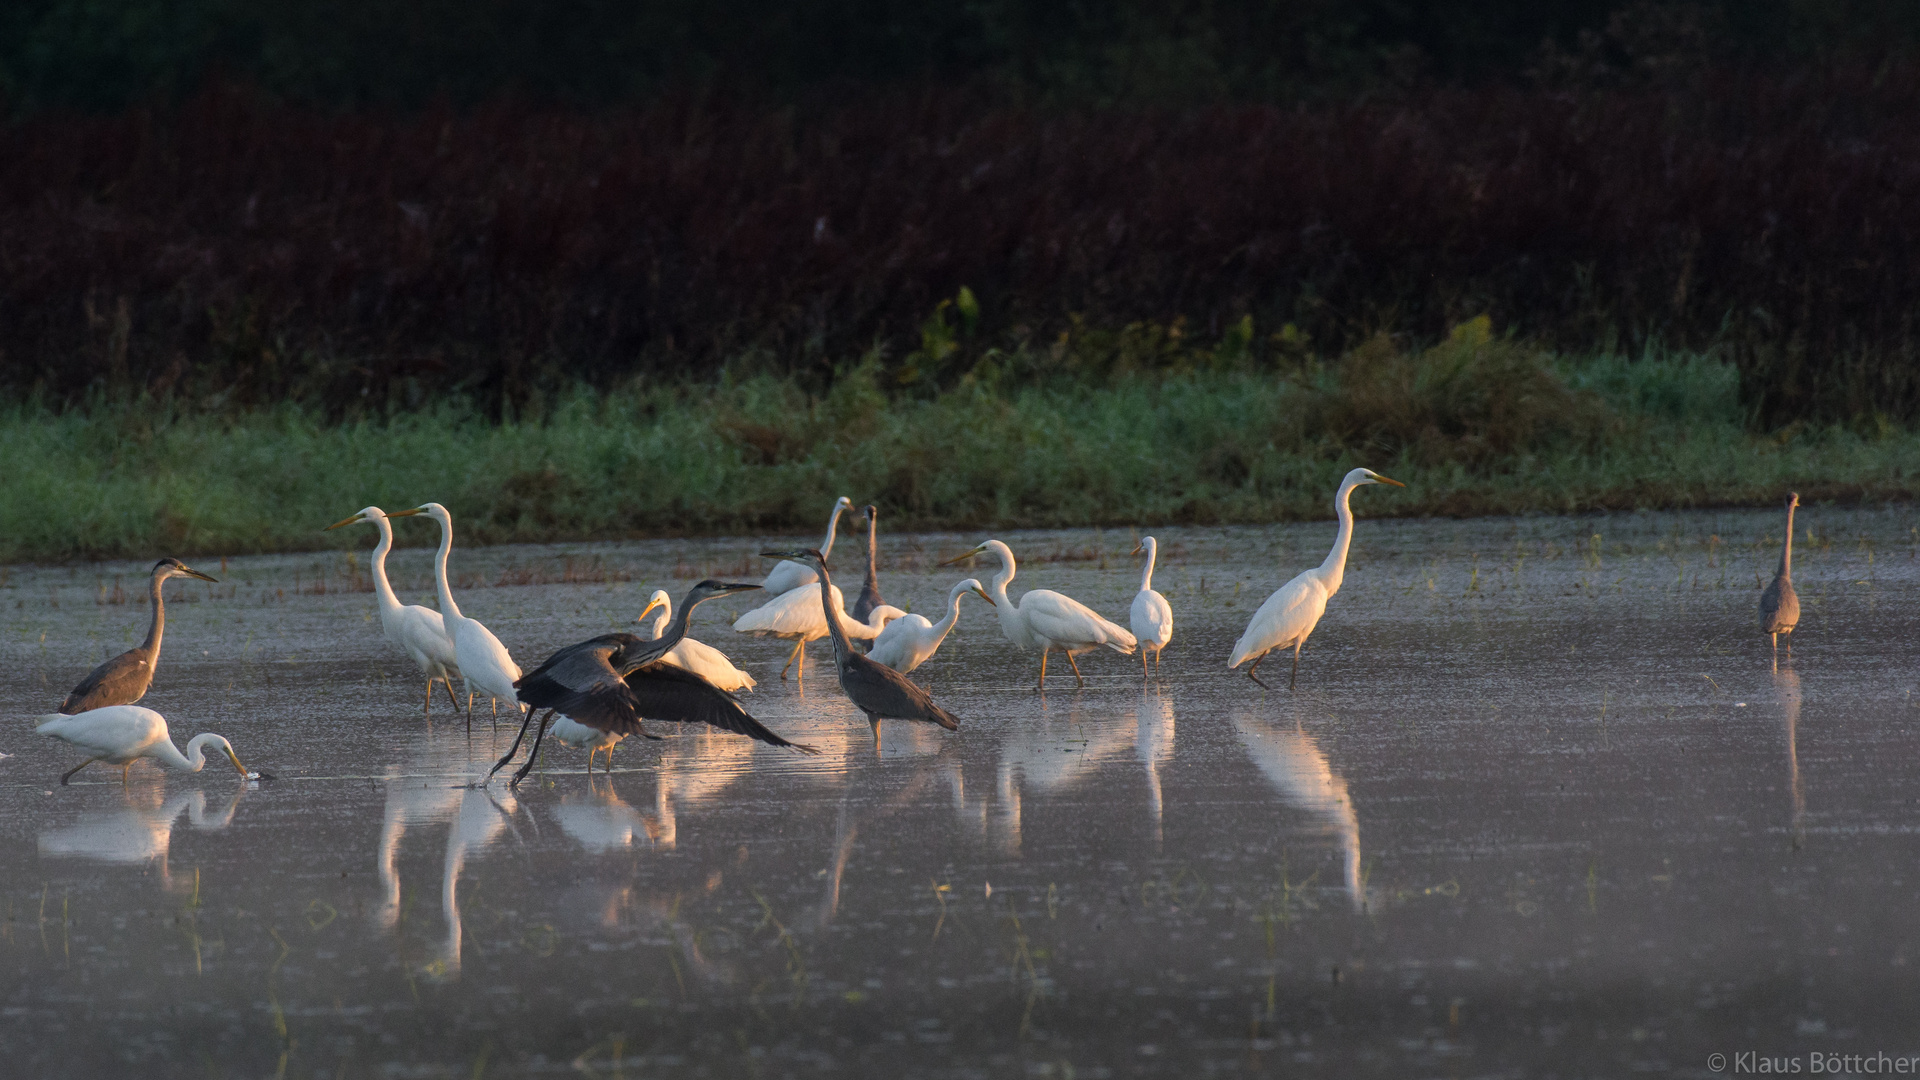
point(1076, 668)
point(75, 769)
point(533, 755)
point(1296, 664)
point(515, 748)
point(1256, 667)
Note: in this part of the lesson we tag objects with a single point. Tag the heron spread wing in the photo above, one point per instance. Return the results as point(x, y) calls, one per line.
point(661, 691)
point(886, 694)
point(122, 680)
point(577, 677)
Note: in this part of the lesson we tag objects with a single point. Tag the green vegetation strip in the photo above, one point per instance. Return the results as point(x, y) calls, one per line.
point(1474, 426)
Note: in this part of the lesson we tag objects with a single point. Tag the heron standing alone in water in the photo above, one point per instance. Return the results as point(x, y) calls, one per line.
point(1779, 607)
point(124, 679)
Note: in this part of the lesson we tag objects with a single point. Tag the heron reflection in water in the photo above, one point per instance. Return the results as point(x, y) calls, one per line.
point(1297, 769)
point(141, 831)
point(1786, 683)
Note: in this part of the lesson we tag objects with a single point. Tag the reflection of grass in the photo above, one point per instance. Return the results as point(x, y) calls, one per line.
point(1196, 447)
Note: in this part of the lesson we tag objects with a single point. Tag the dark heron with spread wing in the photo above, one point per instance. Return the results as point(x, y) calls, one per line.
point(613, 681)
point(870, 592)
point(1779, 607)
point(124, 679)
point(880, 692)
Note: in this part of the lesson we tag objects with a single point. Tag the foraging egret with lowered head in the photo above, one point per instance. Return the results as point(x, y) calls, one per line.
point(911, 640)
point(696, 656)
point(870, 589)
point(1046, 620)
point(123, 734)
point(1291, 613)
point(1151, 616)
point(789, 576)
point(878, 690)
point(124, 679)
point(613, 681)
point(484, 663)
point(420, 632)
point(1779, 605)
point(796, 615)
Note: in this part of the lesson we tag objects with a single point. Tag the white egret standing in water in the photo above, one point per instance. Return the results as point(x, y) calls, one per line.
point(420, 632)
point(1291, 613)
point(1152, 616)
point(797, 616)
point(123, 734)
point(484, 662)
point(1046, 620)
point(911, 640)
point(788, 576)
point(696, 656)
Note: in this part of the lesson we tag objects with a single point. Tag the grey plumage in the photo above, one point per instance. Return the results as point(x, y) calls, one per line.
point(124, 679)
point(615, 681)
point(870, 591)
point(878, 690)
point(1779, 607)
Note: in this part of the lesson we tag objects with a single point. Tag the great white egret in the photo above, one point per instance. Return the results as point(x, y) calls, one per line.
point(1151, 616)
point(123, 734)
point(1291, 613)
point(696, 656)
point(870, 589)
point(789, 576)
point(1779, 606)
point(576, 734)
point(613, 681)
point(420, 632)
point(796, 616)
point(911, 640)
point(1046, 620)
point(484, 662)
point(878, 690)
point(124, 679)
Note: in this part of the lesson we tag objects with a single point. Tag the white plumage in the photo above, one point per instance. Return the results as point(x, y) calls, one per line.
point(484, 663)
point(1291, 613)
point(1046, 620)
point(123, 734)
point(575, 734)
point(908, 641)
point(789, 575)
point(419, 632)
point(1151, 615)
point(797, 615)
point(696, 656)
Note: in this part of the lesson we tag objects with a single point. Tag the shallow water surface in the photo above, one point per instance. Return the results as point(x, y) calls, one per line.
point(1541, 805)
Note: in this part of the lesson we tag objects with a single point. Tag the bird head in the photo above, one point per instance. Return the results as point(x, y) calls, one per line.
point(659, 599)
point(433, 510)
point(873, 513)
point(1367, 476)
point(708, 589)
point(167, 568)
point(371, 513)
point(843, 503)
point(799, 555)
point(968, 554)
point(974, 585)
point(1147, 543)
point(1793, 499)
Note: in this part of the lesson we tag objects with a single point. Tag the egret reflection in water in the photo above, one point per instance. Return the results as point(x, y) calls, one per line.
point(139, 832)
point(475, 818)
point(1294, 764)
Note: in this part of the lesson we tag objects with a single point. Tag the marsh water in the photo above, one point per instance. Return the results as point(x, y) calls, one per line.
point(1541, 805)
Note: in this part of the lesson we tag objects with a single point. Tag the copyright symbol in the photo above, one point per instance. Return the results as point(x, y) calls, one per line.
point(1717, 1062)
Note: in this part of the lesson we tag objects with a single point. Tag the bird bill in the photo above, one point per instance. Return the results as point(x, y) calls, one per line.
point(355, 519)
point(967, 555)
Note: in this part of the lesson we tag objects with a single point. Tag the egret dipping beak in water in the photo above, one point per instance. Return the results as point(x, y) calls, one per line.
point(420, 632)
point(483, 661)
point(1152, 616)
point(1046, 620)
point(1291, 613)
point(123, 734)
point(124, 679)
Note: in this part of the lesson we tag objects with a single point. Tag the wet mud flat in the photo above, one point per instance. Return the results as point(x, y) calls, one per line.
point(1541, 806)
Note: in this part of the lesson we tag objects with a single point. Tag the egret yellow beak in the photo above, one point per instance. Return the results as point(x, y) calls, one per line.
point(354, 520)
point(982, 595)
point(645, 611)
point(962, 558)
point(1388, 480)
point(1137, 549)
point(237, 767)
point(406, 513)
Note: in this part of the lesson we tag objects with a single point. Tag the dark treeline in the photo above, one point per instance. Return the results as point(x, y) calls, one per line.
point(105, 54)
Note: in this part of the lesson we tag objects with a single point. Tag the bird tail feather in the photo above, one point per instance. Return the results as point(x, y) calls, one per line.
point(944, 718)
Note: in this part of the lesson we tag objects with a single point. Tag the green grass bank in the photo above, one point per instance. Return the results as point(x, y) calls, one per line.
point(1474, 425)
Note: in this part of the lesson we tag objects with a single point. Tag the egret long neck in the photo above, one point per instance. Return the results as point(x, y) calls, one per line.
point(833, 526)
point(158, 627)
point(1335, 568)
point(1786, 552)
point(953, 611)
point(448, 609)
point(842, 648)
point(660, 621)
point(169, 755)
point(381, 588)
point(1146, 575)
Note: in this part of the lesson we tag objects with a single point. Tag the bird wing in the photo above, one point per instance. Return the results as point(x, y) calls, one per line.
point(116, 732)
point(580, 681)
point(1289, 615)
point(886, 694)
point(666, 693)
point(897, 644)
point(422, 631)
point(1152, 617)
point(788, 576)
point(793, 613)
point(122, 680)
point(482, 657)
point(1068, 623)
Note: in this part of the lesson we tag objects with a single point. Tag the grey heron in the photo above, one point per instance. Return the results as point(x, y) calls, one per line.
point(870, 589)
point(124, 679)
point(1779, 606)
point(1294, 609)
point(876, 689)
